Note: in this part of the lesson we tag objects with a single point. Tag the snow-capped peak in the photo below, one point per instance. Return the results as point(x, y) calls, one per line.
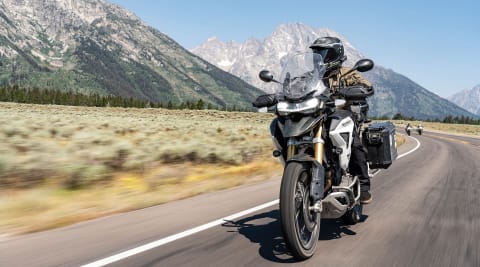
point(246, 59)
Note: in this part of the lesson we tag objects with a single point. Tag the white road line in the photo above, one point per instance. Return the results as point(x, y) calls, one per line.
point(174, 237)
point(411, 151)
point(168, 239)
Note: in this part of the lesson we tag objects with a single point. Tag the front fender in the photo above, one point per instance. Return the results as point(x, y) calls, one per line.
point(296, 128)
point(318, 174)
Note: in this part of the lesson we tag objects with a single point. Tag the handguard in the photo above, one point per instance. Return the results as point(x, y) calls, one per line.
point(357, 92)
point(265, 101)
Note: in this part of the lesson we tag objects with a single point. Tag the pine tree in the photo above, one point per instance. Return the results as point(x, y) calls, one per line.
point(397, 116)
point(200, 104)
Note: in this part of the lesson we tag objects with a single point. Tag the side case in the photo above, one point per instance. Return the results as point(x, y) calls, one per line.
point(379, 139)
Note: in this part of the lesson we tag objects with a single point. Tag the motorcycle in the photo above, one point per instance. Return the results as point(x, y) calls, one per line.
point(319, 134)
point(408, 130)
point(420, 130)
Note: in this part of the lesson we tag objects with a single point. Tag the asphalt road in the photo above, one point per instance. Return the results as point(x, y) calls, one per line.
point(425, 212)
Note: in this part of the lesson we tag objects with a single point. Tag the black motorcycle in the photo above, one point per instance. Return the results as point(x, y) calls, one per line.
point(318, 133)
point(408, 129)
point(420, 130)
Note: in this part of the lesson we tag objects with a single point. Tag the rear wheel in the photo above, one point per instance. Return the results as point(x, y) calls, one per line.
point(301, 227)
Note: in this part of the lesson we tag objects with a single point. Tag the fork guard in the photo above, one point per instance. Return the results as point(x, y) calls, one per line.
point(318, 175)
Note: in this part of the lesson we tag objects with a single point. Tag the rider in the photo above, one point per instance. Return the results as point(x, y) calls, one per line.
point(332, 51)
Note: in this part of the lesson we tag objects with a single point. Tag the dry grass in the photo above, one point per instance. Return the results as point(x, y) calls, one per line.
point(400, 139)
point(462, 129)
point(60, 164)
point(83, 146)
point(47, 206)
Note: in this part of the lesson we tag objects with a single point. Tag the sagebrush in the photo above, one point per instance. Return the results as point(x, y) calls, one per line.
point(84, 145)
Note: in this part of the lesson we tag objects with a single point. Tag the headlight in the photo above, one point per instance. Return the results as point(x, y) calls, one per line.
point(309, 106)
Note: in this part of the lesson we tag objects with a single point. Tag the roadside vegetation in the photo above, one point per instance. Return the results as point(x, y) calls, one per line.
point(447, 120)
point(450, 124)
point(62, 164)
point(462, 129)
point(400, 139)
point(35, 95)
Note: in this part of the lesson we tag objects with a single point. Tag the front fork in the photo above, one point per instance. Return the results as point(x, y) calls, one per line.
point(318, 172)
point(318, 144)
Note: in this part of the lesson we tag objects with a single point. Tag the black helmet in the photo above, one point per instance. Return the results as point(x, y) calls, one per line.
point(331, 49)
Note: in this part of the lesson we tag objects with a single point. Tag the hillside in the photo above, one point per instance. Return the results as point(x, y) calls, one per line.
point(468, 99)
point(94, 46)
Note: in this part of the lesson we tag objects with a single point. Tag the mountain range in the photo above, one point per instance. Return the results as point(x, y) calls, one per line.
point(468, 99)
point(394, 93)
point(92, 46)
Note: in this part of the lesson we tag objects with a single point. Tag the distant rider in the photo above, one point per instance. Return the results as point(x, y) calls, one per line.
point(408, 127)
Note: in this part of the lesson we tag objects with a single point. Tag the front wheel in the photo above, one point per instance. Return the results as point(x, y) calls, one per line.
point(300, 226)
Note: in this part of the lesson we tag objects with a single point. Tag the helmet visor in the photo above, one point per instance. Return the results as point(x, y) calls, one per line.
point(328, 54)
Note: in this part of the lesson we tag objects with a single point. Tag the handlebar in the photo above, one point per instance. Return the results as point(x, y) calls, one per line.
point(357, 92)
point(265, 101)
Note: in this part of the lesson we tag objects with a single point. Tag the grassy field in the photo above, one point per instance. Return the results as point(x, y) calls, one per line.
point(85, 145)
point(61, 164)
point(462, 129)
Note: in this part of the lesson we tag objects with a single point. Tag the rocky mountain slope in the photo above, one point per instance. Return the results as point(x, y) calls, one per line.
point(94, 46)
point(468, 99)
point(394, 92)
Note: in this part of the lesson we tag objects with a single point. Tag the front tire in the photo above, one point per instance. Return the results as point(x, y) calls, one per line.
point(300, 226)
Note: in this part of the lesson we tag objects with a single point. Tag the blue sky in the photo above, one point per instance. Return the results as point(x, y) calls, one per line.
point(434, 43)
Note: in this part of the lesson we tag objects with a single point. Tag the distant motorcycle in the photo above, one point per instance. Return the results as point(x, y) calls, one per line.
point(408, 129)
point(420, 129)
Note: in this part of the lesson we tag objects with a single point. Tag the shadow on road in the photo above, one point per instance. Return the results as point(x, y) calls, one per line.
point(265, 229)
point(333, 229)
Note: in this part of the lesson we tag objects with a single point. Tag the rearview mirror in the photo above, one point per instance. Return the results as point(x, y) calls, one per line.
point(266, 76)
point(363, 65)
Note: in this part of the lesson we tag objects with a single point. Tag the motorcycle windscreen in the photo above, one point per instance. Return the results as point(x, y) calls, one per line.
point(301, 75)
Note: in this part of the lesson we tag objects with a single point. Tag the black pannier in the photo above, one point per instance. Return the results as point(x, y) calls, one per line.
point(379, 139)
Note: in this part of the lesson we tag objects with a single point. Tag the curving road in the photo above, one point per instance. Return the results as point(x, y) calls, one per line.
point(426, 212)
